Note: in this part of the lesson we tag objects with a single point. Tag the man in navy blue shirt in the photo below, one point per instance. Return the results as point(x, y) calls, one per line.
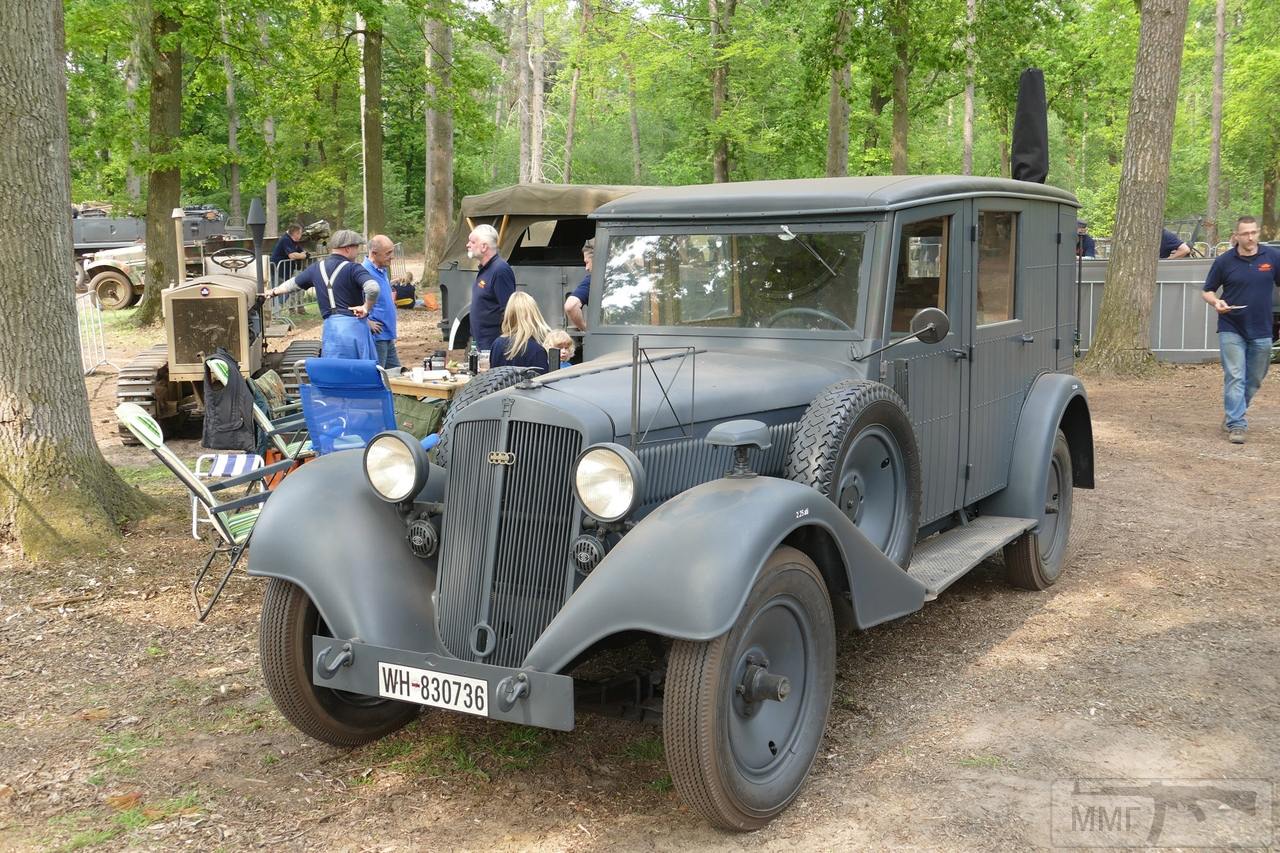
point(1248, 275)
point(1171, 245)
point(287, 254)
point(494, 284)
point(345, 292)
point(1085, 247)
point(574, 304)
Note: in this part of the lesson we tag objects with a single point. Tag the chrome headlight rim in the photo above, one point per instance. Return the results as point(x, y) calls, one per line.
point(635, 472)
point(395, 447)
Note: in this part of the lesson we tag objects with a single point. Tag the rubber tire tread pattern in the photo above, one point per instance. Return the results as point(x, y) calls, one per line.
point(278, 609)
point(817, 443)
point(691, 759)
point(1023, 567)
point(121, 280)
point(481, 385)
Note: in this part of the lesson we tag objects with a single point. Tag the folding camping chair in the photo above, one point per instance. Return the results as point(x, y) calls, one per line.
point(219, 466)
point(346, 404)
point(232, 520)
point(284, 426)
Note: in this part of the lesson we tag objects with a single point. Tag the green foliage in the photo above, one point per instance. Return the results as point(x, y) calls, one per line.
point(298, 64)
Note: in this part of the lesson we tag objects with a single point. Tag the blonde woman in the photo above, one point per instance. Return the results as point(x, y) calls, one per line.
point(523, 331)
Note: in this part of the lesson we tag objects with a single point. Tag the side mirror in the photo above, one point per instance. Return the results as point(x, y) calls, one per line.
point(930, 325)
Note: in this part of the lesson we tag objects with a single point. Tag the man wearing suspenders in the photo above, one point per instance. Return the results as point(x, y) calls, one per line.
point(345, 292)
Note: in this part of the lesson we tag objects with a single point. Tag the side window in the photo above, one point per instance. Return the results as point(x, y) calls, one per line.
point(997, 265)
point(921, 280)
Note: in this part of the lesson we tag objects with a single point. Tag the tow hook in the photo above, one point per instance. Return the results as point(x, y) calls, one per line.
point(325, 668)
point(511, 689)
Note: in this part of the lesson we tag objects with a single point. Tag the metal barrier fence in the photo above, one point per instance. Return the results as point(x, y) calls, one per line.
point(93, 342)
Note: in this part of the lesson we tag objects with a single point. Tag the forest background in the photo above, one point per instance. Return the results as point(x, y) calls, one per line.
point(626, 92)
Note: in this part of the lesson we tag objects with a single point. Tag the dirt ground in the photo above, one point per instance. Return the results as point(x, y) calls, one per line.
point(126, 724)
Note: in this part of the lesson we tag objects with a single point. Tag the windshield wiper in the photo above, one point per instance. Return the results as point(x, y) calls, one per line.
point(788, 235)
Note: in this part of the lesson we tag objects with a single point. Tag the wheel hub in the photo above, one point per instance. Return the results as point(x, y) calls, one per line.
point(758, 685)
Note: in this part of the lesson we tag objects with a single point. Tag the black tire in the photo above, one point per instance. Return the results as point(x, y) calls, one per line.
point(81, 276)
point(289, 620)
point(114, 290)
point(855, 444)
point(740, 762)
point(1035, 560)
point(481, 385)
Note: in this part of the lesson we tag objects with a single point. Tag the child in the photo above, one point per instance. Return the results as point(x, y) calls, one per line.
point(560, 339)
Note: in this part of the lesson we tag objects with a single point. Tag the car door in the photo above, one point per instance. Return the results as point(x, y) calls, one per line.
point(927, 268)
point(1013, 248)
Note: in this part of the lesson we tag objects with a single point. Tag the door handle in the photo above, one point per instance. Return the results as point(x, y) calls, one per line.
point(959, 354)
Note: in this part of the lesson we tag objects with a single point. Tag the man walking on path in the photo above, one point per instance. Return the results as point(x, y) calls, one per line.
point(382, 319)
point(1247, 275)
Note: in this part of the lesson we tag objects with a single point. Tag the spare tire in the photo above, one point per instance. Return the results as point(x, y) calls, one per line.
point(855, 444)
point(481, 385)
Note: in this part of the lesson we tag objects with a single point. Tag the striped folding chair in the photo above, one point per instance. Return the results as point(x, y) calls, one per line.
point(220, 466)
point(232, 521)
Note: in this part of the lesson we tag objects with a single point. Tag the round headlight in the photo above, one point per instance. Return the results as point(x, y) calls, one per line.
point(396, 466)
point(608, 480)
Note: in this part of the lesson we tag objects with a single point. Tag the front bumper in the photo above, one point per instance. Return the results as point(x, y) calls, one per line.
point(524, 696)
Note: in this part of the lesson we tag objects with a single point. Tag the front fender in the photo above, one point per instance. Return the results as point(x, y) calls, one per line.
point(325, 530)
point(685, 571)
point(1056, 400)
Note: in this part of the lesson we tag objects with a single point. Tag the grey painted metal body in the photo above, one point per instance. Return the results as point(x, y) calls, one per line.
point(1184, 329)
point(985, 403)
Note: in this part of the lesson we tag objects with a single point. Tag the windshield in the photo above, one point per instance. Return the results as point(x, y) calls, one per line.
point(784, 278)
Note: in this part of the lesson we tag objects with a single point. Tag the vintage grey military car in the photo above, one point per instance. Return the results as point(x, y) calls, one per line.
point(808, 406)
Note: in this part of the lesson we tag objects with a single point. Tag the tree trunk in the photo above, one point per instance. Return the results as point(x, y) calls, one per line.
point(375, 216)
point(1215, 124)
point(1006, 166)
point(1120, 342)
point(269, 142)
point(164, 180)
point(340, 213)
point(537, 97)
point(439, 162)
point(721, 13)
point(877, 102)
point(233, 130)
point(972, 19)
point(1270, 178)
point(58, 497)
point(522, 97)
point(900, 32)
point(637, 168)
point(132, 74)
point(571, 123)
point(838, 102)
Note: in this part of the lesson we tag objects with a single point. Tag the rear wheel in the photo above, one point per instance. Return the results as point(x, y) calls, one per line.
point(1034, 560)
point(114, 290)
point(289, 620)
point(743, 714)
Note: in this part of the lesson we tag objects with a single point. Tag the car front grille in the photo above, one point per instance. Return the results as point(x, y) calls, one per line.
point(509, 520)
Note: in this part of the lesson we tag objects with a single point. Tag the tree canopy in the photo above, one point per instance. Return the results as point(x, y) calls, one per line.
point(643, 76)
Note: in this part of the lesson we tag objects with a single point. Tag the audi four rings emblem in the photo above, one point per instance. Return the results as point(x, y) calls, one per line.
point(501, 457)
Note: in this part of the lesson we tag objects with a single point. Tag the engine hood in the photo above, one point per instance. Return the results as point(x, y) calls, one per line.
point(701, 389)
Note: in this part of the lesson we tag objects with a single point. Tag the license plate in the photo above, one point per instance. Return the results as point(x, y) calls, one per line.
point(437, 689)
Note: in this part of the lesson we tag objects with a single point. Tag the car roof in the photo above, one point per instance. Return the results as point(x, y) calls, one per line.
point(811, 196)
point(543, 200)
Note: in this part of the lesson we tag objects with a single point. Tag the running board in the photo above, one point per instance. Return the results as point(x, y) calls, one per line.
point(942, 560)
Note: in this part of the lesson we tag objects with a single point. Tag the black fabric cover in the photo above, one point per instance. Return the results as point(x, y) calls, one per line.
point(228, 412)
point(1029, 156)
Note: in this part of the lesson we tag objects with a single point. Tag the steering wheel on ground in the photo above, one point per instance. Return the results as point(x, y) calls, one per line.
point(232, 258)
point(808, 312)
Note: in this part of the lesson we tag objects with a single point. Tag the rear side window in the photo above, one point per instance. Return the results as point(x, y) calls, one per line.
point(997, 265)
point(921, 280)
point(554, 242)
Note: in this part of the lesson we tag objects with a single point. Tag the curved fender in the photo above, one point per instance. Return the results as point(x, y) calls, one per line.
point(686, 569)
point(1038, 423)
point(463, 315)
point(326, 531)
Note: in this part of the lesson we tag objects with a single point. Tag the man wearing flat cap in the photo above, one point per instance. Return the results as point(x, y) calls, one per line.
point(345, 292)
point(1085, 247)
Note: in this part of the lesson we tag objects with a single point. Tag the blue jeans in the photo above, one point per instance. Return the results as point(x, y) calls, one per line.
point(387, 355)
point(1244, 364)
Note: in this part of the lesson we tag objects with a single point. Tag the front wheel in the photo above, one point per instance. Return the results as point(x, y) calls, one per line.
point(114, 290)
point(743, 714)
point(1034, 560)
point(289, 620)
